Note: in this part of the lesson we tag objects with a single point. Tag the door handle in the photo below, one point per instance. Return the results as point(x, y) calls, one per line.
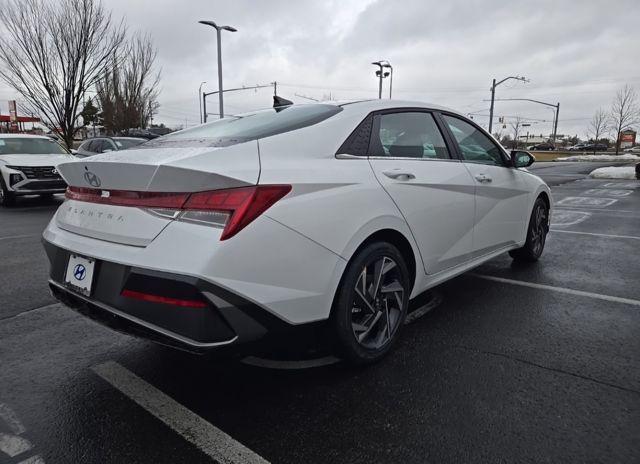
point(483, 178)
point(399, 175)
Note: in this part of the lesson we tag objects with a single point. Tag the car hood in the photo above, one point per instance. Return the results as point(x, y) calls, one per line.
point(35, 160)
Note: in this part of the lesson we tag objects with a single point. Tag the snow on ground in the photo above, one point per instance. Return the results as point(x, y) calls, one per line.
point(617, 172)
point(625, 157)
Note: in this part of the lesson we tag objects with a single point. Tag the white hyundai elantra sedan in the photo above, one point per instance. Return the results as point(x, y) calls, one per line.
point(251, 227)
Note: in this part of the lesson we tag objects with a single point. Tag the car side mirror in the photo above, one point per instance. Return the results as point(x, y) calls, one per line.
point(74, 151)
point(521, 159)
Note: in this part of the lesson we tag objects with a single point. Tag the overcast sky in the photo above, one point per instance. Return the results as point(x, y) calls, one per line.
point(577, 53)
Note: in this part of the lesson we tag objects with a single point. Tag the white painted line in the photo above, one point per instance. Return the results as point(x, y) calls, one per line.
point(211, 440)
point(632, 237)
point(11, 419)
point(10, 237)
point(608, 192)
point(596, 202)
point(624, 185)
point(290, 365)
point(563, 218)
point(569, 291)
point(608, 210)
point(33, 460)
point(13, 445)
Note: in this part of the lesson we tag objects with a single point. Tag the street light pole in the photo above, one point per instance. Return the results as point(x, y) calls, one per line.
point(493, 95)
point(379, 74)
point(388, 65)
point(200, 98)
point(556, 106)
point(219, 37)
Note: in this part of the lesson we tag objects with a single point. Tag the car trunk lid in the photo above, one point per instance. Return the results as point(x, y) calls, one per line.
point(140, 174)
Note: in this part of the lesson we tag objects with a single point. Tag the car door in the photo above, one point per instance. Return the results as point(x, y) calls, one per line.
point(501, 191)
point(433, 191)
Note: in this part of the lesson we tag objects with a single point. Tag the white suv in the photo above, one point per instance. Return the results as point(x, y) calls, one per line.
point(323, 216)
point(28, 166)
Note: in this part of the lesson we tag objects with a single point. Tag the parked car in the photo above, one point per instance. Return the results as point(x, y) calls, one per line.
point(29, 166)
point(543, 146)
point(635, 149)
point(98, 145)
point(140, 133)
point(584, 146)
point(324, 217)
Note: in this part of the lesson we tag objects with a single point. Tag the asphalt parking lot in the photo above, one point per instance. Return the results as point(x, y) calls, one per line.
point(535, 363)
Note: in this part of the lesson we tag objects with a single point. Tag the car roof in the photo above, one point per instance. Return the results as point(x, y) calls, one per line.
point(385, 104)
point(22, 136)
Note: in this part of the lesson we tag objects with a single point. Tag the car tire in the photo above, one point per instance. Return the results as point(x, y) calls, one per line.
point(7, 198)
point(371, 304)
point(536, 234)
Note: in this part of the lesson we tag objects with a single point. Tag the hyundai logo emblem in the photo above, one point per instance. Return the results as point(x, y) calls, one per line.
point(92, 179)
point(54, 171)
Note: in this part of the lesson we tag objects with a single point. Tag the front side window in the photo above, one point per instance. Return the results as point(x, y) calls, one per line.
point(30, 146)
point(409, 135)
point(474, 145)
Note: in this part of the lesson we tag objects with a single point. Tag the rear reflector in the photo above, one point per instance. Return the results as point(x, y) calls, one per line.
point(127, 197)
point(230, 209)
point(163, 299)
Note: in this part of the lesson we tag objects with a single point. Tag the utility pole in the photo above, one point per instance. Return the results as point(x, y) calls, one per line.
point(219, 30)
point(206, 94)
point(495, 84)
point(555, 124)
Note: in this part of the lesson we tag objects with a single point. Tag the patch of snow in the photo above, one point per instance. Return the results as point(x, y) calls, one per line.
point(614, 172)
point(624, 157)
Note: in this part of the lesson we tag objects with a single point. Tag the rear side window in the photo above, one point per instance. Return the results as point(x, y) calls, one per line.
point(252, 126)
point(408, 135)
point(474, 145)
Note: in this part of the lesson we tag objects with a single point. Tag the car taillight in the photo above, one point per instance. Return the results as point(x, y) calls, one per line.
point(229, 209)
point(236, 208)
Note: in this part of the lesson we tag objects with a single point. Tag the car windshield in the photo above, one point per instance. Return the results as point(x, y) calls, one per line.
point(254, 125)
point(124, 143)
point(30, 146)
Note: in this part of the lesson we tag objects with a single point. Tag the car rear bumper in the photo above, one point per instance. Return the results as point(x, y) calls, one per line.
point(227, 320)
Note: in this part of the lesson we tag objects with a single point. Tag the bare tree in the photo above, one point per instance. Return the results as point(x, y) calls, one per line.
point(53, 51)
point(625, 112)
point(598, 126)
point(515, 126)
point(127, 93)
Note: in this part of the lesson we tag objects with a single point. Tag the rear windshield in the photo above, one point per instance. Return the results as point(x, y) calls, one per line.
point(251, 126)
point(124, 143)
point(30, 146)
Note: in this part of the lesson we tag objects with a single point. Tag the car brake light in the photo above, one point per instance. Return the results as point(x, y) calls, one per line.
point(229, 209)
point(238, 207)
point(163, 299)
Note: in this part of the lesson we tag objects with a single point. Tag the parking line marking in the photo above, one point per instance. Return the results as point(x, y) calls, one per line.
point(9, 237)
point(209, 439)
point(11, 419)
point(608, 210)
point(569, 291)
point(633, 237)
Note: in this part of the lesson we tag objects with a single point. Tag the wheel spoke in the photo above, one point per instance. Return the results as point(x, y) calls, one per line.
point(365, 301)
point(377, 275)
point(393, 287)
point(367, 331)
